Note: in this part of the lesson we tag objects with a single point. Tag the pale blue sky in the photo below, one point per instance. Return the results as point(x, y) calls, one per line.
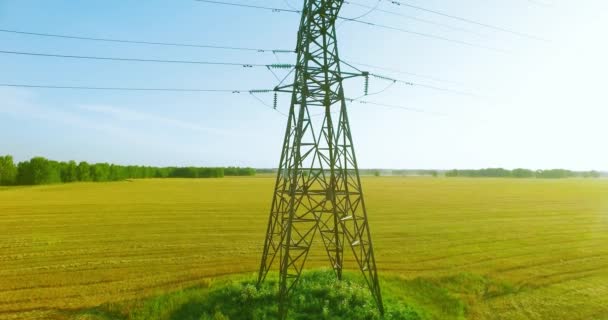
point(541, 105)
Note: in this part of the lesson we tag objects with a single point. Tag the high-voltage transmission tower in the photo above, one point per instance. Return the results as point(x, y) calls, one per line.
point(318, 189)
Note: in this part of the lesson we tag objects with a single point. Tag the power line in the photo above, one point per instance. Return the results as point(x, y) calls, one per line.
point(422, 34)
point(392, 106)
point(426, 35)
point(172, 44)
point(233, 91)
point(447, 26)
point(273, 9)
point(402, 72)
point(412, 84)
point(269, 66)
point(245, 65)
point(289, 4)
point(230, 91)
point(252, 94)
point(371, 9)
point(525, 35)
point(185, 45)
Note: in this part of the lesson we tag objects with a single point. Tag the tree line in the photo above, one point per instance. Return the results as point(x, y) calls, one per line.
point(522, 173)
point(39, 170)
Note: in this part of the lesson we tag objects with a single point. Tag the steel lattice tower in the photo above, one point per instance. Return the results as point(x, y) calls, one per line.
point(318, 188)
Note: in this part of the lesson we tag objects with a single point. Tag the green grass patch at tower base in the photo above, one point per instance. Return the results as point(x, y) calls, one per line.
point(319, 295)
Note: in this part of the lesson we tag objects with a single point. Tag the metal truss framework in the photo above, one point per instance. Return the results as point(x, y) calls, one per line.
point(318, 189)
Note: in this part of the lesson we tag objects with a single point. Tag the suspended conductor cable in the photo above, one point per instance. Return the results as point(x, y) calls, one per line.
point(289, 4)
point(400, 71)
point(524, 35)
point(273, 9)
point(392, 106)
point(371, 9)
point(156, 43)
point(447, 26)
point(245, 65)
point(230, 91)
point(426, 35)
point(409, 83)
point(351, 100)
point(252, 94)
point(382, 26)
point(390, 85)
point(15, 85)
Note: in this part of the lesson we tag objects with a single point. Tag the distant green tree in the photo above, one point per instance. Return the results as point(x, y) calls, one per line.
point(451, 173)
point(8, 171)
point(37, 171)
point(100, 172)
point(84, 171)
point(69, 171)
point(238, 171)
point(24, 173)
point(554, 174)
point(162, 173)
point(592, 174)
point(117, 173)
point(148, 172)
point(522, 173)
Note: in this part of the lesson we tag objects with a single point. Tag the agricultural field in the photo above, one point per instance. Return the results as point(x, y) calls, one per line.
point(500, 248)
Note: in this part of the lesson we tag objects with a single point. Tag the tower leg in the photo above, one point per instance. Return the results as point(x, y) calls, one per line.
point(354, 220)
point(318, 186)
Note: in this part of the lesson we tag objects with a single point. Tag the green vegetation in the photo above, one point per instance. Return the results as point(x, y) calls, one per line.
point(8, 171)
point(451, 249)
point(406, 172)
point(39, 170)
point(522, 173)
point(319, 296)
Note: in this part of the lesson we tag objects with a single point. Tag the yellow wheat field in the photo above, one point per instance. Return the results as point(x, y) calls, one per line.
point(80, 245)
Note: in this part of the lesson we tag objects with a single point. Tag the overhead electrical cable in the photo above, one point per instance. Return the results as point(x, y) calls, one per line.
point(350, 64)
point(447, 26)
point(230, 91)
point(391, 106)
point(390, 85)
point(202, 46)
point(268, 66)
point(410, 83)
point(289, 5)
point(252, 94)
point(235, 91)
point(274, 9)
point(400, 71)
point(517, 33)
point(156, 43)
point(371, 9)
point(427, 35)
point(245, 65)
point(422, 34)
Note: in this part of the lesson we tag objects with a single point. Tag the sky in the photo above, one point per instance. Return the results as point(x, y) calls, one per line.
point(533, 103)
